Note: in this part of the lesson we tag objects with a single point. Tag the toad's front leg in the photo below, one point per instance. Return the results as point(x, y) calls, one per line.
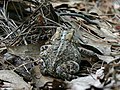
point(43, 68)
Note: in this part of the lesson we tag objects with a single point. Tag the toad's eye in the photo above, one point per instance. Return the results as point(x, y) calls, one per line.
point(46, 47)
point(43, 48)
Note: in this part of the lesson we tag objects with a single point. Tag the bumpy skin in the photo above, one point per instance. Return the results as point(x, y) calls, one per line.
point(61, 59)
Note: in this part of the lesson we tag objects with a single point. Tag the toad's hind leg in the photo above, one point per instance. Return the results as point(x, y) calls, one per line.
point(67, 70)
point(43, 68)
point(66, 76)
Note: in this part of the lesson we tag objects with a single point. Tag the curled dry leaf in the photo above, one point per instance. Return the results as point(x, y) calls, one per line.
point(14, 81)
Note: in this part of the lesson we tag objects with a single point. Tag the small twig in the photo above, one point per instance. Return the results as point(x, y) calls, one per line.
point(22, 23)
point(90, 74)
point(25, 64)
point(16, 11)
point(79, 15)
point(94, 65)
point(50, 27)
point(55, 22)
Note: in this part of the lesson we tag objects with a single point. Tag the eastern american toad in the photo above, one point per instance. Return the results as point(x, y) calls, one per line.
point(61, 58)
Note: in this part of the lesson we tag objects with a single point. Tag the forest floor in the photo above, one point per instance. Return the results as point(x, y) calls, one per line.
point(40, 37)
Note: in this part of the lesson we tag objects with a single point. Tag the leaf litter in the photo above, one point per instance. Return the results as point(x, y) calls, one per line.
point(26, 26)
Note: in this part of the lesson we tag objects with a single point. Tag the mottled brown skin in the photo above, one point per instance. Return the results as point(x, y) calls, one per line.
point(61, 59)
